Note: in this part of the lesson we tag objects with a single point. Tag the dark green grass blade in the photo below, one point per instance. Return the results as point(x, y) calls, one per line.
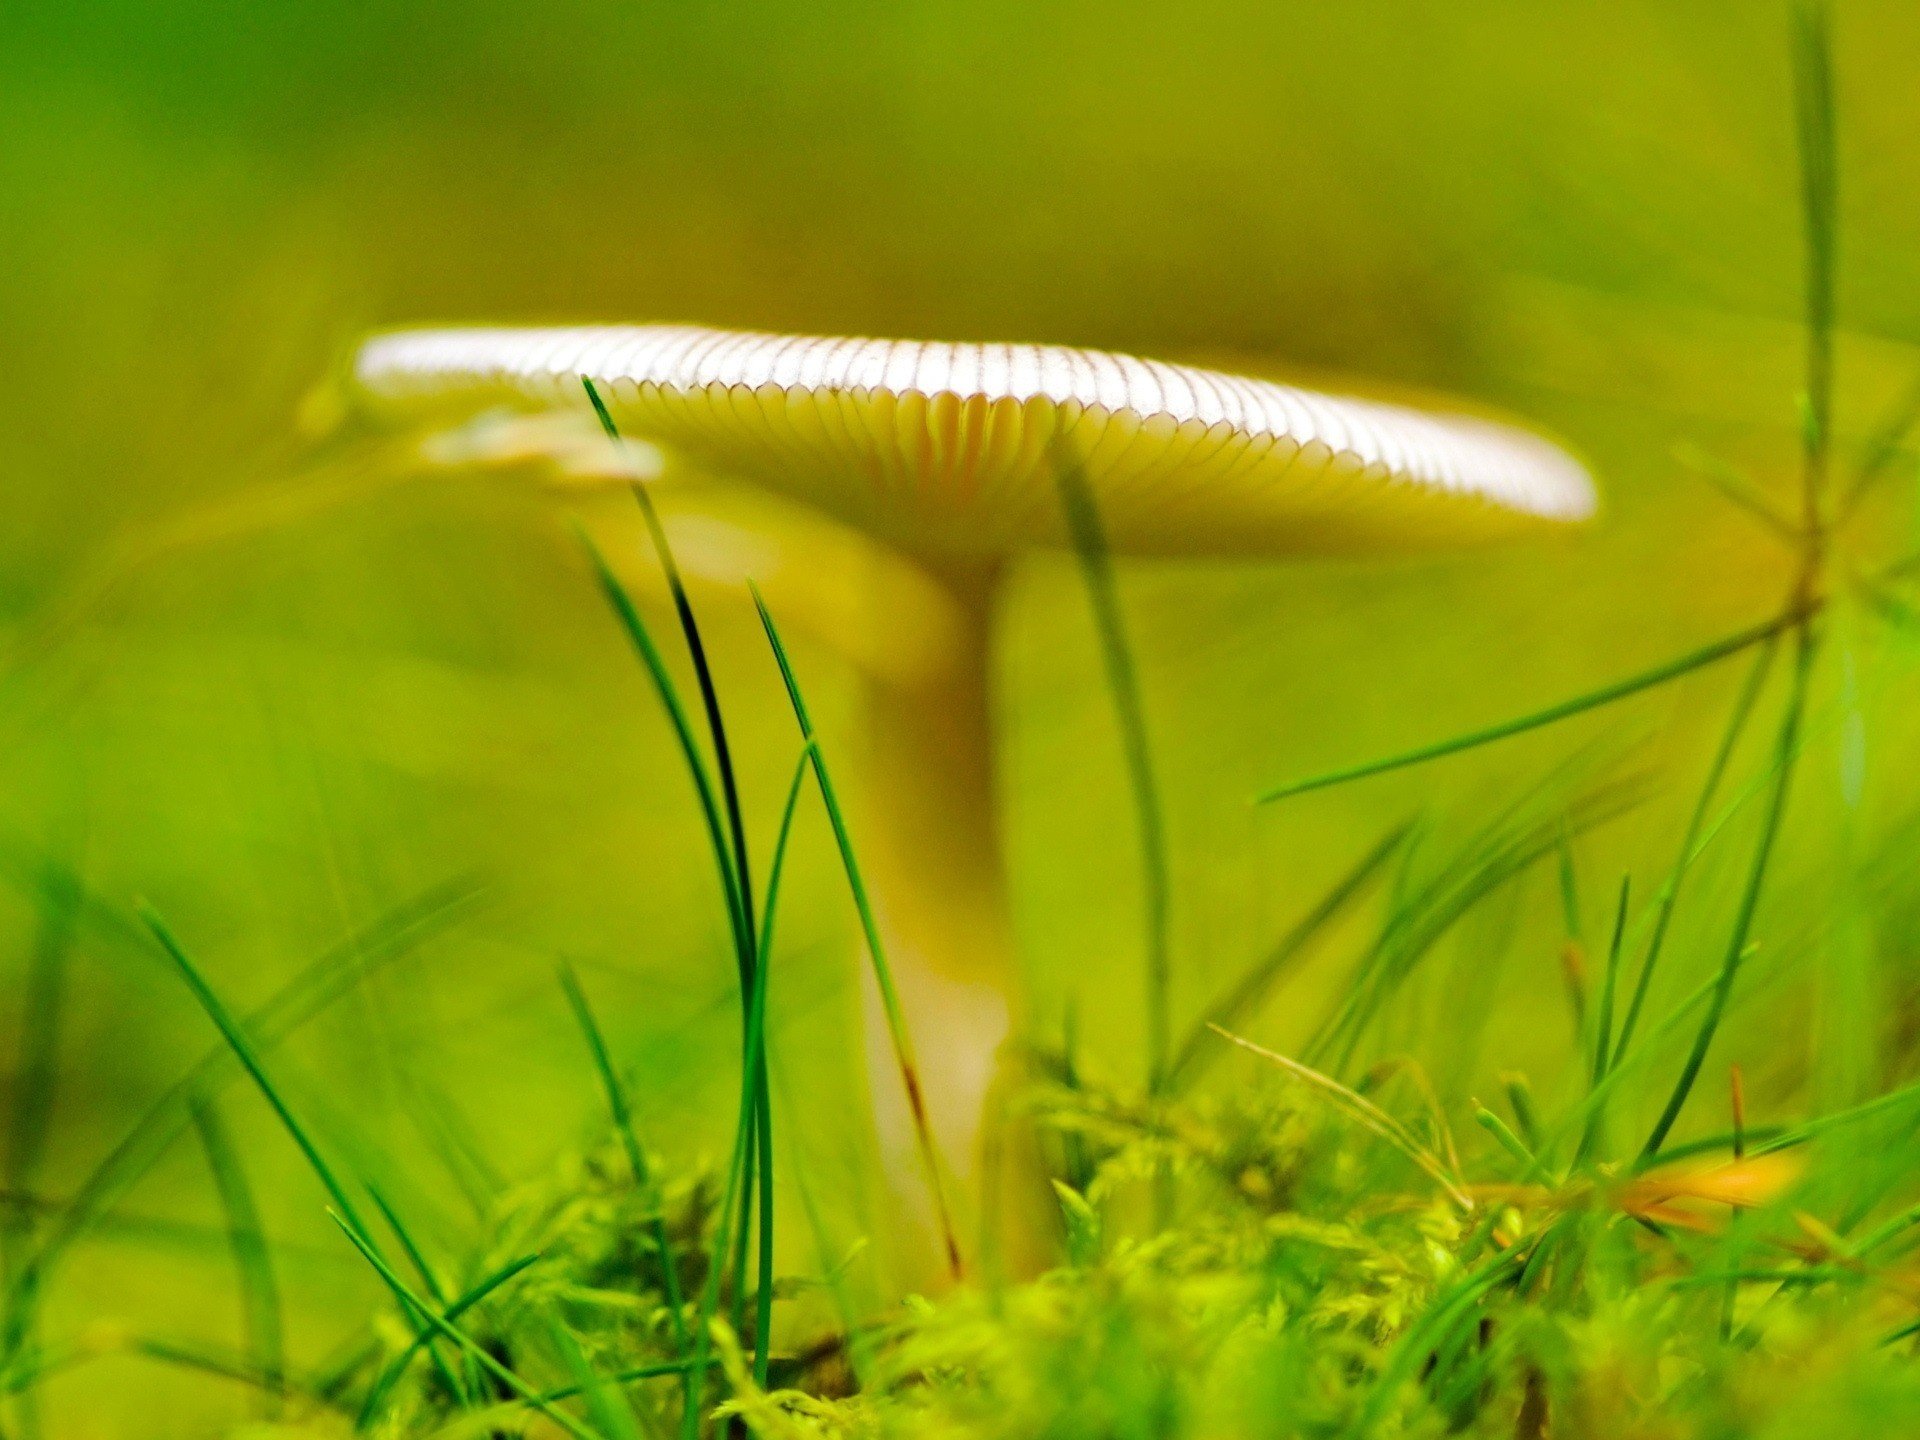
point(736, 1183)
point(752, 1088)
point(618, 1377)
point(897, 1028)
point(1610, 984)
point(1603, 1046)
point(1669, 899)
point(752, 1101)
point(1130, 715)
point(642, 640)
point(610, 1084)
point(409, 1247)
point(441, 1325)
point(1593, 700)
point(622, 1112)
point(250, 1060)
point(744, 931)
point(391, 1375)
point(763, 1312)
point(703, 674)
point(1450, 1310)
point(1786, 752)
point(30, 1108)
point(310, 992)
point(460, 1384)
point(263, 1325)
point(1238, 1004)
point(1505, 849)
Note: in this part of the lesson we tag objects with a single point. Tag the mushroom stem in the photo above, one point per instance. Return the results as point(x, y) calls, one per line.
point(933, 848)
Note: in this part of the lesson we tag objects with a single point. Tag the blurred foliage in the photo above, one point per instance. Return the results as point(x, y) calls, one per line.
point(279, 689)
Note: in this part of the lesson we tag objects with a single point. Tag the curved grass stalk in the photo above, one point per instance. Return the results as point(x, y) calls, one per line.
point(897, 1028)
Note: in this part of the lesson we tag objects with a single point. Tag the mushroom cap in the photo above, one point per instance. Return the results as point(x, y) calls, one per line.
point(952, 449)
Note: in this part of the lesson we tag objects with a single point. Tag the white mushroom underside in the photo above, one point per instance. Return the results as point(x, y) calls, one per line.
point(953, 446)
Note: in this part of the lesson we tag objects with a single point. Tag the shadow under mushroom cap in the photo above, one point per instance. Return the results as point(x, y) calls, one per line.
point(949, 449)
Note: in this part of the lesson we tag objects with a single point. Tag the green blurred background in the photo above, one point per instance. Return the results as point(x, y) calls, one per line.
point(276, 728)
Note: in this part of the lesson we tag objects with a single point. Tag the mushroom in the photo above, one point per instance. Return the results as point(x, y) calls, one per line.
point(947, 452)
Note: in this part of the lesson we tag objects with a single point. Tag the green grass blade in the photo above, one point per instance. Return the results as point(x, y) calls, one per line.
point(763, 1292)
point(443, 1326)
point(251, 1061)
point(709, 693)
point(319, 985)
point(897, 1027)
point(1669, 900)
point(409, 1247)
point(1129, 709)
point(1603, 1049)
point(1565, 710)
point(1368, 1114)
point(1737, 487)
point(753, 1101)
point(391, 1375)
point(641, 638)
point(264, 1326)
point(622, 1112)
point(1238, 1004)
point(1610, 984)
point(1785, 753)
point(1883, 447)
point(607, 1403)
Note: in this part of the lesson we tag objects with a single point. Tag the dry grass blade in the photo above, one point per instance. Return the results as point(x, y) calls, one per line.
point(1365, 1112)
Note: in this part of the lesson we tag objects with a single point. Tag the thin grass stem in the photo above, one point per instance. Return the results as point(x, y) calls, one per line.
point(1565, 710)
point(897, 1028)
point(1130, 714)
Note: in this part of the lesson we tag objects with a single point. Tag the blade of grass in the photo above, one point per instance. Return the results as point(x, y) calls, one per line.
point(1566, 709)
point(622, 1113)
point(262, 1323)
point(607, 1403)
point(1130, 715)
point(1669, 900)
point(1252, 989)
point(1366, 1112)
point(443, 1326)
point(761, 1157)
point(751, 1089)
point(1735, 486)
point(306, 995)
point(1603, 1022)
point(1882, 448)
point(697, 652)
point(1501, 856)
point(1785, 752)
point(392, 1373)
point(250, 1060)
point(883, 975)
point(656, 666)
